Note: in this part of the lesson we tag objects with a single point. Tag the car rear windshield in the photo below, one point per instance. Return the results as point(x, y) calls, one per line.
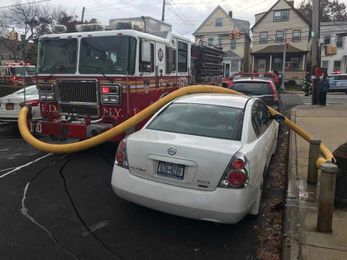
point(253, 88)
point(201, 120)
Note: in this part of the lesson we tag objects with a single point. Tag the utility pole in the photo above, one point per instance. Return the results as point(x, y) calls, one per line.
point(284, 59)
point(82, 17)
point(163, 11)
point(314, 50)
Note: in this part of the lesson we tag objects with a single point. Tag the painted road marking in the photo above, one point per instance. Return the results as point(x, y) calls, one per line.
point(25, 165)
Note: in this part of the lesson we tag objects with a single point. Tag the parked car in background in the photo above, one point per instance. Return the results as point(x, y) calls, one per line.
point(10, 105)
point(338, 82)
point(202, 156)
point(262, 88)
point(264, 75)
point(227, 82)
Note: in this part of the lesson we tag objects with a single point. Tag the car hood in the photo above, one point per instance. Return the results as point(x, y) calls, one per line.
point(17, 98)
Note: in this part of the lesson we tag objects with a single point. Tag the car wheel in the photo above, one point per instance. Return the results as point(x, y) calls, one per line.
point(256, 207)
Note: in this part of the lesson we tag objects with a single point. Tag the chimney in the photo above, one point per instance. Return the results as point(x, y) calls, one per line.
point(231, 14)
point(291, 3)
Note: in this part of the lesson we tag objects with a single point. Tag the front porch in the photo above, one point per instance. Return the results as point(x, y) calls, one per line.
point(271, 58)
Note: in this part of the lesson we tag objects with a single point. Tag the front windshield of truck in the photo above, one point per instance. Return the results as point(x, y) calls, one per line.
point(19, 71)
point(108, 55)
point(30, 70)
point(57, 56)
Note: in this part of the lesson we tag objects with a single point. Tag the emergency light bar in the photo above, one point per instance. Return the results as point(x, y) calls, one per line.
point(89, 27)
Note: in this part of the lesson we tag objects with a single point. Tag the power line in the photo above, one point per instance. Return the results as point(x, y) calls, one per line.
point(28, 3)
point(185, 19)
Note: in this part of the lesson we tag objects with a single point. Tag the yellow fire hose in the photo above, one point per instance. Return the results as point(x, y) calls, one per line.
point(147, 112)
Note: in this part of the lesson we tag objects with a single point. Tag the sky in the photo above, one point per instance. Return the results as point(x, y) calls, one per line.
point(184, 15)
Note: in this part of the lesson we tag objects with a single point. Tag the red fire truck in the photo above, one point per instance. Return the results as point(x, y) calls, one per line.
point(90, 81)
point(17, 74)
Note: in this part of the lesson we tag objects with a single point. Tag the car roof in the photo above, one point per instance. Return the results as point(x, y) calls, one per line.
point(252, 80)
point(219, 99)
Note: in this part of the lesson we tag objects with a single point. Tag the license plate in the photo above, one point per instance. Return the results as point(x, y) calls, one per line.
point(171, 170)
point(9, 106)
point(36, 127)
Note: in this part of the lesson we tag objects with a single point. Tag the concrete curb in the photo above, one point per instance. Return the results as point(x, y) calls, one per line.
point(290, 242)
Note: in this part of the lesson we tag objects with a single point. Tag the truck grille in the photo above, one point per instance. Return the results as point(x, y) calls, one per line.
point(78, 91)
point(79, 110)
point(78, 97)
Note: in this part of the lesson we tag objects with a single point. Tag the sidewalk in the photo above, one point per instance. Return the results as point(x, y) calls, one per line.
point(300, 238)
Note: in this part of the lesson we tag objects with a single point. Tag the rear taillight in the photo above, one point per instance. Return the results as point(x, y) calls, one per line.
point(237, 179)
point(121, 155)
point(236, 173)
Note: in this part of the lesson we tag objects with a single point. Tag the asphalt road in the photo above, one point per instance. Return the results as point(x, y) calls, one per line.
point(63, 207)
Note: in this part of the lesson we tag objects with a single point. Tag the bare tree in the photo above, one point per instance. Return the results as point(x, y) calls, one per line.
point(32, 20)
point(330, 10)
point(7, 34)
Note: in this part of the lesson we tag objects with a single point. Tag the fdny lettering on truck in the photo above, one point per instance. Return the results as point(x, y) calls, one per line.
point(112, 111)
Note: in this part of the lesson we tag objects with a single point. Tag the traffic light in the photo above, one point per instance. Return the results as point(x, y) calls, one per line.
point(234, 34)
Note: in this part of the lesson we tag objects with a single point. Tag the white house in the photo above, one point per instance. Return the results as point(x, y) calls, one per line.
point(335, 34)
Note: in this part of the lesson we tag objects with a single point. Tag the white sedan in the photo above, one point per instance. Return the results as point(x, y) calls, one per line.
point(10, 105)
point(202, 156)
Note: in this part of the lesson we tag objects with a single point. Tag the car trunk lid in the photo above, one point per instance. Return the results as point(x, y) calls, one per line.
point(192, 161)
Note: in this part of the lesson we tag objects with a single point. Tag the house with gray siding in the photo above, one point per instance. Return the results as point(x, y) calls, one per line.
point(281, 29)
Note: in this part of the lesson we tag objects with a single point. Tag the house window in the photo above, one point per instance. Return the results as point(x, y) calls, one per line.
point(261, 65)
point(327, 39)
point(277, 63)
point(218, 22)
point(339, 42)
point(337, 65)
point(296, 37)
point(210, 39)
point(293, 64)
point(233, 44)
point(281, 15)
point(279, 36)
point(325, 65)
point(263, 37)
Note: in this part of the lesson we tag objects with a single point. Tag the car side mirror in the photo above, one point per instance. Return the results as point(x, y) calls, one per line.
point(278, 118)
